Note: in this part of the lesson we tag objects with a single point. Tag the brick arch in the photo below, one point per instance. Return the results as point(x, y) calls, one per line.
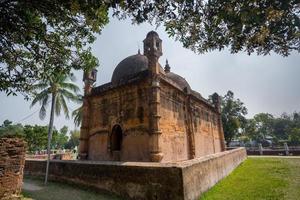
point(116, 138)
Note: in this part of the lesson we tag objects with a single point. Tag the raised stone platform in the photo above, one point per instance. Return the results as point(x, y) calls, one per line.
point(185, 180)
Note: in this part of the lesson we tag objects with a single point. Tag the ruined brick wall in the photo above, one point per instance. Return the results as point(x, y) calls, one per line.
point(126, 106)
point(12, 160)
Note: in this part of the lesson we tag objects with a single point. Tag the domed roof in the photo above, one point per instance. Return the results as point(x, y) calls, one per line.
point(152, 34)
point(130, 65)
point(180, 81)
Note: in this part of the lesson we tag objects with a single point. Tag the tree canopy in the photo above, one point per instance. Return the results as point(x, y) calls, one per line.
point(34, 33)
point(36, 136)
point(240, 25)
point(266, 129)
point(233, 116)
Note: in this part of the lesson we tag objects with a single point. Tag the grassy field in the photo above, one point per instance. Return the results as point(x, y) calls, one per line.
point(33, 189)
point(260, 179)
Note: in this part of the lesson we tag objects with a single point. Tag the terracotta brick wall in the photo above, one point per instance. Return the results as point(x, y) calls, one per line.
point(185, 180)
point(126, 106)
point(12, 160)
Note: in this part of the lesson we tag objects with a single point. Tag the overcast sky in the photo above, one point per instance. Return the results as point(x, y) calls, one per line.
point(264, 83)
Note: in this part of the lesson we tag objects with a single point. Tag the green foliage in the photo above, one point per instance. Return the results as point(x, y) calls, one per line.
point(77, 116)
point(294, 136)
point(59, 87)
point(277, 129)
point(36, 137)
point(240, 25)
point(77, 113)
point(7, 129)
point(74, 140)
point(264, 124)
point(60, 138)
point(233, 116)
point(281, 128)
point(40, 39)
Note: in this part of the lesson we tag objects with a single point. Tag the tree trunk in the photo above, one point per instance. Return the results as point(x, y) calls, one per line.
point(50, 130)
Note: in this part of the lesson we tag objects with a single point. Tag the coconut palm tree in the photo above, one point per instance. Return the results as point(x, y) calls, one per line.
point(77, 113)
point(57, 89)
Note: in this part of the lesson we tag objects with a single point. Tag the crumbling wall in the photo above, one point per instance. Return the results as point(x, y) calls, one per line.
point(12, 160)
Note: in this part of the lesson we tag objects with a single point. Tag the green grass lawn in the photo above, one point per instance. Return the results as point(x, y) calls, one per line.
point(260, 179)
point(33, 189)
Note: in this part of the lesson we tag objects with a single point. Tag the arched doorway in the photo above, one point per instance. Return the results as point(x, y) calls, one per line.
point(116, 138)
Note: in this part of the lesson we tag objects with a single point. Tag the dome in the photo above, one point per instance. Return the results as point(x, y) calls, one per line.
point(152, 34)
point(130, 65)
point(180, 81)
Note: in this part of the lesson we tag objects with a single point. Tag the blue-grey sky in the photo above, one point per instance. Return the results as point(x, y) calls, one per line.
point(264, 83)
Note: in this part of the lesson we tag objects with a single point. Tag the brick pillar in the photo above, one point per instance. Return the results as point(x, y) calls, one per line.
point(153, 50)
point(84, 130)
point(217, 103)
point(155, 132)
point(189, 125)
point(89, 79)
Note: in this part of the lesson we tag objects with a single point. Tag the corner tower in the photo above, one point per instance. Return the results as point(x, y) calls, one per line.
point(89, 78)
point(153, 50)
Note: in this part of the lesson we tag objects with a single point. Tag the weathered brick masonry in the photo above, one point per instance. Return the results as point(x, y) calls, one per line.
point(12, 160)
point(148, 114)
point(185, 180)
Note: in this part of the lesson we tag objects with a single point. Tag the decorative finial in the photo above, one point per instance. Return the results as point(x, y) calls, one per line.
point(167, 67)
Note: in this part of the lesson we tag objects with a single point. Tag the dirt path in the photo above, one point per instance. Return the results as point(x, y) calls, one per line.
point(31, 186)
point(34, 189)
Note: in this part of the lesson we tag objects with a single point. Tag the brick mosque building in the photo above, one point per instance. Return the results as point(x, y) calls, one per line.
point(147, 113)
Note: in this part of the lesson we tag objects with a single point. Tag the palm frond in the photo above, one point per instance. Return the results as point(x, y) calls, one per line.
point(64, 91)
point(40, 97)
point(65, 107)
point(70, 96)
point(45, 101)
point(72, 77)
point(77, 116)
point(70, 86)
point(39, 86)
point(42, 113)
point(58, 104)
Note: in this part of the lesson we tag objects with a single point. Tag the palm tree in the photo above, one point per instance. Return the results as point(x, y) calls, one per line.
point(58, 89)
point(77, 113)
